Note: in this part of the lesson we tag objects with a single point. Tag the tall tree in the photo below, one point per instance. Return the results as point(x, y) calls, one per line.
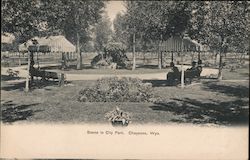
point(22, 18)
point(220, 24)
point(158, 20)
point(121, 33)
point(74, 18)
point(103, 32)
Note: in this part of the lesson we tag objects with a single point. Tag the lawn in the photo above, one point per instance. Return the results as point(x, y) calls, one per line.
point(210, 102)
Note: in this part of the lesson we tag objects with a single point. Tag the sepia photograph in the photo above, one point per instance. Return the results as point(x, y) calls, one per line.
point(103, 79)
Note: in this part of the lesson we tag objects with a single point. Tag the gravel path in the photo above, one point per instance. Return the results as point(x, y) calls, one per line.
point(74, 77)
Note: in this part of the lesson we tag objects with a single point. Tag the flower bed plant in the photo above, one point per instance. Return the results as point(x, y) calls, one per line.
point(118, 90)
point(118, 117)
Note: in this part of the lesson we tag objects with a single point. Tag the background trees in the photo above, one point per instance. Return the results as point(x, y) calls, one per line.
point(103, 33)
point(221, 25)
point(74, 18)
point(153, 21)
point(22, 18)
point(47, 17)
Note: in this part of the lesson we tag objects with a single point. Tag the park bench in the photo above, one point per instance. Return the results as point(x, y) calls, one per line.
point(47, 75)
point(192, 73)
point(189, 75)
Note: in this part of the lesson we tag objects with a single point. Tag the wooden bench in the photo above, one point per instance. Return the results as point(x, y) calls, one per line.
point(46, 75)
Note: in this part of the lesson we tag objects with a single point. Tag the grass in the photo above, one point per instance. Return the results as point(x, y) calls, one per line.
point(239, 74)
point(224, 103)
point(211, 102)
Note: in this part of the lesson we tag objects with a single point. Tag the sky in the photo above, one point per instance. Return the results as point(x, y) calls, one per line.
point(114, 7)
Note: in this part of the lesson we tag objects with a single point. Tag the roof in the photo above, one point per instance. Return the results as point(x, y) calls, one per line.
point(180, 44)
point(56, 43)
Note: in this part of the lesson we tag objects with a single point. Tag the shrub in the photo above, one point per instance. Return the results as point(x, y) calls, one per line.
point(113, 53)
point(118, 90)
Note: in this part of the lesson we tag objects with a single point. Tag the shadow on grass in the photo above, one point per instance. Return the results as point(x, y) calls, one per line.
point(37, 84)
point(8, 78)
point(245, 74)
point(148, 66)
point(160, 83)
point(198, 112)
point(236, 91)
point(11, 112)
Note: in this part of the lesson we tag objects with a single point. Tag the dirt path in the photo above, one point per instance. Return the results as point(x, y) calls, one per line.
point(75, 77)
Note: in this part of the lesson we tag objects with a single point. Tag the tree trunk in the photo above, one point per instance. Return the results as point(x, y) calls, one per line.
point(144, 57)
point(28, 75)
point(161, 60)
point(134, 63)
point(172, 56)
point(79, 57)
point(19, 59)
point(222, 51)
point(215, 58)
point(160, 54)
point(192, 57)
point(32, 63)
point(182, 72)
point(220, 67)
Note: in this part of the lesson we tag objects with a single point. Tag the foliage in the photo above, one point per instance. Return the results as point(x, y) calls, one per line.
point(152, 19)
point(118, 116)
point(221, 25)
point(115, 47)
point(73, 19)
point(23, 18)
point(121, 33)
point(113, 53)
point(103, 33)
point(117, 90)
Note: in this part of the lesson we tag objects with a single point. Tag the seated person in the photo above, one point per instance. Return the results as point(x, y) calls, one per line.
point(193, 66)
point(175, 69)
point(199, 62)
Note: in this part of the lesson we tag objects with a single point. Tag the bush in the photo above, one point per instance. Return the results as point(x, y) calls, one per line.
point(113, 53)
point(118, 90)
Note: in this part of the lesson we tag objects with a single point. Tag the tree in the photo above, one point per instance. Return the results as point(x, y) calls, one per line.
point(220, 24)
point(22, 18)
point(157, 20)
point(103, 33)
point(74, 19)
point(121, 33)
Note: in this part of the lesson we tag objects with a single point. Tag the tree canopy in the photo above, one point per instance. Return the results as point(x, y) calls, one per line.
point(103, 32)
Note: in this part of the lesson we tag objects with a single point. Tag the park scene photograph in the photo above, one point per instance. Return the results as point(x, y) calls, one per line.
point(123, 63)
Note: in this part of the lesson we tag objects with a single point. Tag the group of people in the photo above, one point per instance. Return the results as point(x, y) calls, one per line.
point(193, 67)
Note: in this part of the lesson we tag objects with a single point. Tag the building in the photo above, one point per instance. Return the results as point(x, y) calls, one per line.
point(54, 43)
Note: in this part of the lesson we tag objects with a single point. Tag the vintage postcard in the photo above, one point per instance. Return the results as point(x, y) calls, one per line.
point(124, 79)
